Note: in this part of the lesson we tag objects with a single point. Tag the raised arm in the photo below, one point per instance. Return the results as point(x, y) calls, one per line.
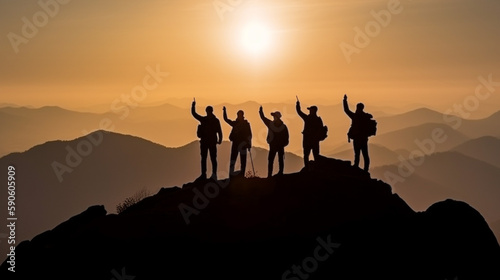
point(226, 119)
point(193, 112)
point(346, 108)
point(299, 111)
point(266, 121)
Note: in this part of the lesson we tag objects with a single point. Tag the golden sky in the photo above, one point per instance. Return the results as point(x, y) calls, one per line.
point(90, 52)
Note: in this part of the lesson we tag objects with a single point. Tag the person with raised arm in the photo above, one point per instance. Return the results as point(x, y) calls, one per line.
point(210, 134)
point(362, 127)
point(313, 126)
point(241, 138)
point(277, 138)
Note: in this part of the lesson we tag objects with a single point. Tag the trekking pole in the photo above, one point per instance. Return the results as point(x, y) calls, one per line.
point(251, 160)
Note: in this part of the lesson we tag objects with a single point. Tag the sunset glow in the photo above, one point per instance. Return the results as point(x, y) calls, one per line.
point(255, 38)
point(384, 52)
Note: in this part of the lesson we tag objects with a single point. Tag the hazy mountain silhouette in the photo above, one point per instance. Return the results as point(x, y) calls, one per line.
point(482, 127)
point(3, 105)
point(379, 155)
point(326, 223)
point(472, 128)
point(116, 169)
point(412, 118)
point(407, 138)
point(164, 112)
point(27, 127)
point(448, 175)
point(23, 128)
point(403, 140)
point(485, 148)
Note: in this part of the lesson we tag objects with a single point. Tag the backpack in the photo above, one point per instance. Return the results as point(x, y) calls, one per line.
point(278, 137)
point(286, 137)
point(241, 132)
point(323, 133)
point(371, 127)
point(365, 128)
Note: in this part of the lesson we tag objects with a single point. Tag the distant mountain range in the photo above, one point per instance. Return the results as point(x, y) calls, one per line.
point(172, 126)
point(118, 167)
point(485, 148)
point(428, 138)
point(417, 117)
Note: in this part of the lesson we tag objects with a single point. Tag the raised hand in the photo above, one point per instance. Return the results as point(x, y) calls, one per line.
point(345, 96)
point(260, 109)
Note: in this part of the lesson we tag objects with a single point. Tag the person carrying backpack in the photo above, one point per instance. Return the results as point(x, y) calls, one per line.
point(241, 138)
point(313, 133)
point(210, 134)
point(362, 127)
point(277, 138)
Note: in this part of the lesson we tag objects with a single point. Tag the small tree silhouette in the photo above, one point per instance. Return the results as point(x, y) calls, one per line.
point(129, 201)
point(250, 174)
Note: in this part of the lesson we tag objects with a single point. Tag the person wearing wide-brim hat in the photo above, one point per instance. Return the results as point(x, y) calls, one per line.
point(313, 125)
point(277, 138)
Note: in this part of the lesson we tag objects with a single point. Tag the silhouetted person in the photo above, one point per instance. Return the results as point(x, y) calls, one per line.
point(277, 138)
point(210, 134)
point(241, 138)
point(313, 126)
point(358, 132)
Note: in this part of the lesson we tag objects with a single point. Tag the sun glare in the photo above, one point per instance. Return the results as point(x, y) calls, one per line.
point(256, 38)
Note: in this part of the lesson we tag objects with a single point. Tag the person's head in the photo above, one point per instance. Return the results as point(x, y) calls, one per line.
point(276, 115)
point(313, 110)
point(360, 107)
point(241, 114)
point(209, 110)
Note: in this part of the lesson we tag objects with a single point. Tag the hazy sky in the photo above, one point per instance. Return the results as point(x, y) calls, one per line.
point(78, 53)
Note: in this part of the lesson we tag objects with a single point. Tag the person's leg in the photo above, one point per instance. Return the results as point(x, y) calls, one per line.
point(232, 159)
point(270, 163)
point(307, 152)
point(357, 150)
point(243, 161)
point(366, 157)
point(204, 154)
point(281, 160)
point(213, 158)
point(315, 150)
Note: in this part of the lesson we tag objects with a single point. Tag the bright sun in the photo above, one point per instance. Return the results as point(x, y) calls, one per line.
point(255, 38)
